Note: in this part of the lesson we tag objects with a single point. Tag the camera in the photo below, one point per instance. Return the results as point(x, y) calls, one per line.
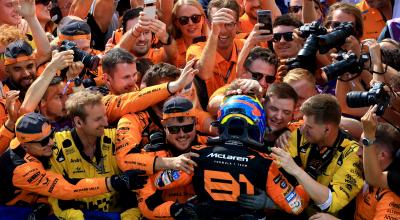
point(376, 95)
point(157, 142)
point(312, 28)
point(306, 57)
point(347, 62)
point(89, 61)
point(336, 38)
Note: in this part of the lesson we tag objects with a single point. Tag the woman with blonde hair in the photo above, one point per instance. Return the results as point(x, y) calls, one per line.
point(188, 23)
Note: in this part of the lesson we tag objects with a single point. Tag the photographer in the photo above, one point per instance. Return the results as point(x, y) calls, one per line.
point(76, 35)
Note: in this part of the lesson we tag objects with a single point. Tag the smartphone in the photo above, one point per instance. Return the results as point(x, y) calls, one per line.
point(264, 17)
point(150, 8)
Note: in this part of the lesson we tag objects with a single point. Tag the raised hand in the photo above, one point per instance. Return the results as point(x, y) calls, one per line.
point(27, 8)
point(185, 78)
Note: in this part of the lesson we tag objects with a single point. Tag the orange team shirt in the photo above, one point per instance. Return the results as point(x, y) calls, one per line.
point(246, 25)
point(181, 58)
point(373, 21)
point(155, 203)
point(224, 70)
point(375, 204)
point(32, 178)
point(129, 140)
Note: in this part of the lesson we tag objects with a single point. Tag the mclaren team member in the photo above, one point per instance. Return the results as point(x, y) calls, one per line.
point(157, 200)
point(322, 157)
point(88, 151)
point(134, 130)
point(231, 165)
point(25, 180)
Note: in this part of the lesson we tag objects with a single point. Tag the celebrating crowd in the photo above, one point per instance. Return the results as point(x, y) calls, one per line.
point(186, 109)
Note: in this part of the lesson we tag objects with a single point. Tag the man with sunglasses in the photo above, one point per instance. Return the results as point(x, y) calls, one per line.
point(219, 55)
point(26, 180)
point(302, 12)
point(285, 46)
point(43, 12)
point(157, 199)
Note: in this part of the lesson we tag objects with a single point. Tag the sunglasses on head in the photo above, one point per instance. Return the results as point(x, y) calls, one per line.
point(258, 76)
point(288, 36)
point(184, 20)
point(45, 141)
point(185, 128)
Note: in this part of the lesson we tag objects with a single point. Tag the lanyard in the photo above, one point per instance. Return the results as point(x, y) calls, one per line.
point(228, 73)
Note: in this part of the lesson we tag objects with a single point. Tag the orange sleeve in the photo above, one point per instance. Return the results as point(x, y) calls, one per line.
point(203, 121)
point(289, 198)
point(120, 105)
point(5, 138)
point(31, 176)
point(128, 152)
point(151, 203)
point(388, 207)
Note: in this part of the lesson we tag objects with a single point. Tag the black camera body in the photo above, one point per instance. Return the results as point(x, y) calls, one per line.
point(306, 56)
point(347, 62)
point(376, 95)
point(312, 28)
point(89, 61)
point(335, 38)
point(157, 142)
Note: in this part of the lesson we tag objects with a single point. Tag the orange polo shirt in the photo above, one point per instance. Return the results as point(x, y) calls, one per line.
point(224, 70)
point(373, 20)
point(246, 25)
point(181, 58)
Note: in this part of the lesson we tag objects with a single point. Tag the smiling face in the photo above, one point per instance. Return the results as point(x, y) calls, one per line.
point(191, 29)
point(9, 13)
point(95, 122)
point(22, 74)
point(227, 33)
point(285, 49)
point(251, 7)
point(279, 112)
point(123, 79)
point(183, 139)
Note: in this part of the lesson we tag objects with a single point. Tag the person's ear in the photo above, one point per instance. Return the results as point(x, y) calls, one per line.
point(78, 122)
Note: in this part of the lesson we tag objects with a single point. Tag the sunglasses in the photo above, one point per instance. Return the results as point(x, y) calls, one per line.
point(258, 76)
point(295, 9)
point(44, 142)
point(185, 128)
point(288, 36)
point(184, 20)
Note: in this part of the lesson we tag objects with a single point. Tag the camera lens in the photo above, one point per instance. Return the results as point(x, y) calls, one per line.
point(357, 99)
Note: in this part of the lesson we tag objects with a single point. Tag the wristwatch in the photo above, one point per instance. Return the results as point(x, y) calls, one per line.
point(367, 142)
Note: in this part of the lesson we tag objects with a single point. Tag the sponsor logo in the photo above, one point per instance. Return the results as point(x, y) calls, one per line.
point(33, 177)
point(78, 170)
point(228, 157)
point(277, 179)
point(291, 196)
point(283, 184)
point(53, 185)
point(77, 160)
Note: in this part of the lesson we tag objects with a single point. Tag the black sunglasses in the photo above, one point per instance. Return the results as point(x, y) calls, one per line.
point(184, 20)
point(258, 76)
point(44, 142)
point(295, 9)
point(185, 128)
point(288, 36)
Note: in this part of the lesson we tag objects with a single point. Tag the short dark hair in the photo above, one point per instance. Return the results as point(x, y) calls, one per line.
point(129, 15)
point(325, 109)
point(230, 4)
point(115, 56)
point(264, 54)
point(282, 91)
point(161, 72)
point(391, 55)
point(287, 20)
point(387, 136)
point(55, 81)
